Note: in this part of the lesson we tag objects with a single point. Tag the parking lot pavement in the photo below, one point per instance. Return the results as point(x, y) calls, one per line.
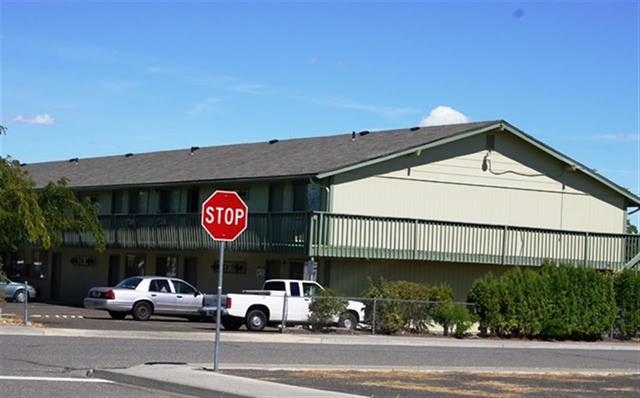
point(72, 317)
point(402, 384)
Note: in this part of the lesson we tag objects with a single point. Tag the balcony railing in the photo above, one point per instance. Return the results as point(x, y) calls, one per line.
point(320, 234)
point(266, 232)
point(342, 235)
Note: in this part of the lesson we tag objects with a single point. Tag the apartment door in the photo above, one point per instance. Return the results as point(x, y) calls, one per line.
point(272, 269)
point(114, 269)
point(191, 270)
point(56, 265)
point(296, 270)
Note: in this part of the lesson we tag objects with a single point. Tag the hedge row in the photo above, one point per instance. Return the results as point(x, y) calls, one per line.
point(627, 288)
point(559, 301)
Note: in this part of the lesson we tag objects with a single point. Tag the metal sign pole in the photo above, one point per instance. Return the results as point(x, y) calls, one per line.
point(216, 353)
point(25, 314)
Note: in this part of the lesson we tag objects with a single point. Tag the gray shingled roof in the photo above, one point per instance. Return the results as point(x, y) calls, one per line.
point(261, 160)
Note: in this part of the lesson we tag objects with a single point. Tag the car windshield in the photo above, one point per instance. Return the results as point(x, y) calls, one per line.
point(129, 283)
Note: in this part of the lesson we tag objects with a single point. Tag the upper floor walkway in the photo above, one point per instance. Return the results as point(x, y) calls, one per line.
point(321, 234)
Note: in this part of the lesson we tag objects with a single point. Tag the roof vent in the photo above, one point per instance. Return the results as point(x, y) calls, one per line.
point(273, 141)
point(73, 160)
point(194, 148)
point(363, 133)
point(414, 128)
point(128, 155)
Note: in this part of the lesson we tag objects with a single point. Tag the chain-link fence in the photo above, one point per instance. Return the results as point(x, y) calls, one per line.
point(392, 316)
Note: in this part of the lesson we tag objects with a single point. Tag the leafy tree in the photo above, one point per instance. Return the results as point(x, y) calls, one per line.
point(39, 217)
point(631, 229)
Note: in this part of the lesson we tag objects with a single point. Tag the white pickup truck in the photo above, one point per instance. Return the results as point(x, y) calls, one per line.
point(258, 308)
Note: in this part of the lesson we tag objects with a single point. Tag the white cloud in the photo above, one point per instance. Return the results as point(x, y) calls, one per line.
point(44, 118)
point(206, 105)
point(443, 115)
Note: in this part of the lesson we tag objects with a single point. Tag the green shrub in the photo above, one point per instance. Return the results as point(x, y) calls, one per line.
point(580, 302)
point(627, 292)
point(485, 295)
point(559, 302)
point(413, 314)
point(450, 315)
point(325, 308)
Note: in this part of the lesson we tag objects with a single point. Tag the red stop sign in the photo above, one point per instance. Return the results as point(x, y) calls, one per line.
point(224, 215)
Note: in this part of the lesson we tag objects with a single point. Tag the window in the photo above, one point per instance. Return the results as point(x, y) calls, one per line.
point(274, 286)
point(117, 202)
point(193, 200)
point(159, 285)
point(39, 266)
point(295, 289)
point(134, 265)
point(129, 283)
point(167, 266)
point(138, 201)
point(310, 289)
point(183, 288)
point(276, 195)
point(17, 269)
point(169, 201)
point(300, 197)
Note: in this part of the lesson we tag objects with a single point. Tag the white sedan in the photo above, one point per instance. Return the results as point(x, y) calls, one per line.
point(143, 296)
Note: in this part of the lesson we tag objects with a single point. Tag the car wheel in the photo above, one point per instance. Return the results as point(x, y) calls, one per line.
point(231, 323)
point(117, 315)
point(142, 311)
point(348, 321)
point(18, 297)
point(256, 320)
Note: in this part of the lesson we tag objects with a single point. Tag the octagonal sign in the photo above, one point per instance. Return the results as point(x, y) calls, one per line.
point(224, 215)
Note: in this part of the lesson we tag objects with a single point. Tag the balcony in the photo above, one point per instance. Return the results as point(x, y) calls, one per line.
point(320, 234)
point(342, 235)
point(266, 233)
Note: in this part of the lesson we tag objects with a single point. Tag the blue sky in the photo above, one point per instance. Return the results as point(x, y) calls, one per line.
point(82, 79)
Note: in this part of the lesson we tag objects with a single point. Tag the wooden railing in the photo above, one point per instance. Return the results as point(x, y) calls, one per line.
point(321, 234)
point(343, 235)
point(266, 232)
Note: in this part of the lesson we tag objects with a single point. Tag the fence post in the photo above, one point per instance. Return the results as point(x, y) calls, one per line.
point(25, 314)
point(586, 248)
point(284, 313)
point(373, 322)
point(504, 245)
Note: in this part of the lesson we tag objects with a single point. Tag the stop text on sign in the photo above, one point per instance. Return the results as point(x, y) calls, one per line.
point(223, 215)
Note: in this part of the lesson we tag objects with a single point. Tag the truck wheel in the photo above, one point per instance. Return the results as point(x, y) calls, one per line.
point(142, 311)
point(348, 321)
point(231, 323)
point(256, 320)
point(117, 315)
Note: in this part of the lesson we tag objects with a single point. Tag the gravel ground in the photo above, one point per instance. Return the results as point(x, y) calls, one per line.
point(421, 384)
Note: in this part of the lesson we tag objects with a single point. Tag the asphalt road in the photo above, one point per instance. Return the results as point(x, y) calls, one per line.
point(72, 357)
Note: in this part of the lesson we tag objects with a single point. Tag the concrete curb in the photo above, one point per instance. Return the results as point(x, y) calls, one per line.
point(292, 338)
point(198, 381)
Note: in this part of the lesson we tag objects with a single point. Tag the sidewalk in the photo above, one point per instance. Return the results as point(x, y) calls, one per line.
point(336, 339)
point(198, 380)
